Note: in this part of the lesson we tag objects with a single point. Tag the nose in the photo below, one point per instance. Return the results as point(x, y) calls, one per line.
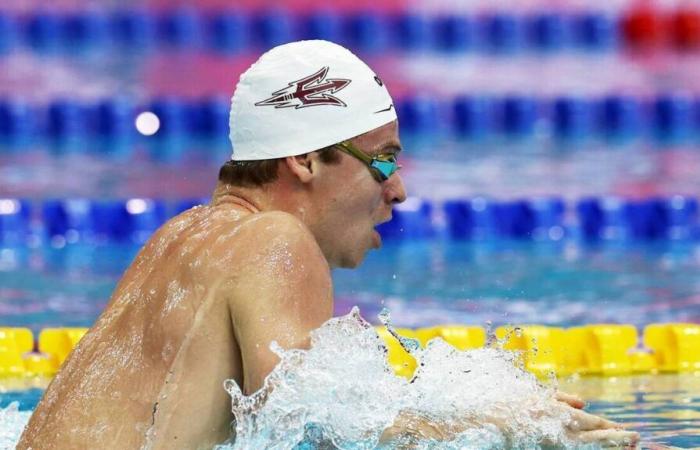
point(395, 192)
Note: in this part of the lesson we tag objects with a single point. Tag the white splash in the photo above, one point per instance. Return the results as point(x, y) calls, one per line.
point(342, 392)
point(12, 423)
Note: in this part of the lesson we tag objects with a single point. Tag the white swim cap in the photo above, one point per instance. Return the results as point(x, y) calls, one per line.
point(304, 96)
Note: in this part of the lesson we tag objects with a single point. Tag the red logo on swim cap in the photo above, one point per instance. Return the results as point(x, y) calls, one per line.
point(313, 90)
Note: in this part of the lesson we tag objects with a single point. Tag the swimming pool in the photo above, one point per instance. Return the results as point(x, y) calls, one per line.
point(439, 282)
point(548, 102)
point(492, 281)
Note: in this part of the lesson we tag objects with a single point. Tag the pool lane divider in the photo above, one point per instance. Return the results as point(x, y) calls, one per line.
point(665, 117)
point(547, 219)
point(21, 356)
point(597, 350)
point(230, 31)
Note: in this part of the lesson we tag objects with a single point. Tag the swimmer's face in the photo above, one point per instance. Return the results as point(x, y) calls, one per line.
point(357, 202)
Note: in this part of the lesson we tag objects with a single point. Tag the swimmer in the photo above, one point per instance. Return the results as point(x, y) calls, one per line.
point(313, 172)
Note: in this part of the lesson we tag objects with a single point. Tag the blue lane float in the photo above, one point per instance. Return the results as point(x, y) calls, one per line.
point(482, 218)
point(419, 114)
point(547, 31)
point(500, 33)
point(272, 28)
point(83, 31)
point(594, 31)
point(470, 117)
point(412, 219)
point(229, 30)
point(42, 31)
point(103, 220)
point(7, 33)
point(668, 118)
point(613, 218)
point(18, 121)
point(180, 28)
point(572, 118)
point(542, 219)
point(66, 118)
point(133, 29)
point(112, 118)
point(210, 117)
point(69, 219)
point(516, 116)
point(454, 33)
point(367, 32)
point(672, 117)
point(413, 32)
point(325, 25)
point(620, 117)
point(14, 220)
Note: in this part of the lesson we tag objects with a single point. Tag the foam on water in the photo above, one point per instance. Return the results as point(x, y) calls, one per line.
point(341, 394)
point(341, 391)
point(12, 422)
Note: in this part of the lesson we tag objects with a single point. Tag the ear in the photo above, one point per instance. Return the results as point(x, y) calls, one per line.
point(304, 167)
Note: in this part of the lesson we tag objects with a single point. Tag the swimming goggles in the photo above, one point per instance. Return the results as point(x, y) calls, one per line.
point(381, 166)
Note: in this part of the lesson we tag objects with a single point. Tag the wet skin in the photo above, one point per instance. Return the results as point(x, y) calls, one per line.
point(204, 298)
point(208, 293)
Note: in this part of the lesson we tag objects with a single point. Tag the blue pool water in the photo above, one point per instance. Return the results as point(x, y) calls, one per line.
point(664, 408)
point(538, 151)
point(437, 282)
point(422, 283)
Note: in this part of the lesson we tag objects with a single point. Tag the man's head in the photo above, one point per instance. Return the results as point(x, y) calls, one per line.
point(304, 96)
point(315, 127)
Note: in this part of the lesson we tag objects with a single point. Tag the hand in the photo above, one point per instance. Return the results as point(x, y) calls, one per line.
point(572, 400)
point(588, 428)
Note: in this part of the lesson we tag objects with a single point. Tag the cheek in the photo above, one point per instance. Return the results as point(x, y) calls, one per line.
point(358, 193)
point(363, 202)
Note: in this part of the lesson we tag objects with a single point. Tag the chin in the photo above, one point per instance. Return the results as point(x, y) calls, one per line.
point(352, 261)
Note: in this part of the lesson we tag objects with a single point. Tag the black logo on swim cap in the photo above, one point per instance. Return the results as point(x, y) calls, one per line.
point(313, 90)
point(388, 108)
point(378, 80)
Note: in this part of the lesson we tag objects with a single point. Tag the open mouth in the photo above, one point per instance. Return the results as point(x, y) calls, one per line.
point(388, 219)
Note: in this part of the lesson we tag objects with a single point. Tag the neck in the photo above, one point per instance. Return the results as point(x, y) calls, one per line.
point(269, 197)
point(227, 194)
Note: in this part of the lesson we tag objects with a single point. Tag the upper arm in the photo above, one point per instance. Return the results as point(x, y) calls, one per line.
point(281, 290)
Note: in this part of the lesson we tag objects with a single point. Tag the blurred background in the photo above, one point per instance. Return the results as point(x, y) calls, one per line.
point(552, 149)
point(552, 157)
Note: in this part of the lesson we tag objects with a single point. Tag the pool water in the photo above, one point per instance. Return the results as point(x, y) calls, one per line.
point(664, 408)
point(437, 282)
point(421, 283)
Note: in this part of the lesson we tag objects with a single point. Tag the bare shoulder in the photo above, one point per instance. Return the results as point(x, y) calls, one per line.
point(275, 223)
point(278, 289)
point(277, 259)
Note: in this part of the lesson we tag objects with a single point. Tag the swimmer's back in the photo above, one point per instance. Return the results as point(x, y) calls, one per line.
point(140, 376)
